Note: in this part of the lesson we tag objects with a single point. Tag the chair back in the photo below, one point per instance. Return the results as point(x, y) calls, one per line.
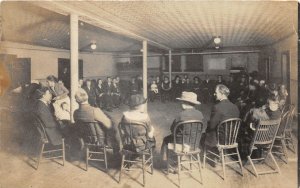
point(290, 118)
point(265, 133)
point(134, 136)
point(187, 135)
point(39, 125)
point(91, 132)
point(283, 124)
point(227, 131)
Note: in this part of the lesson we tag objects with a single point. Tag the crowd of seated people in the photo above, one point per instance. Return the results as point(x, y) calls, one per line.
point(246, 97)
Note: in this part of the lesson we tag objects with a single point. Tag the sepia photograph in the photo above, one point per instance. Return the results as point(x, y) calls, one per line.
point(132, 94)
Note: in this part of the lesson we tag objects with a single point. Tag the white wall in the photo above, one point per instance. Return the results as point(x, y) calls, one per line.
point(44, 60)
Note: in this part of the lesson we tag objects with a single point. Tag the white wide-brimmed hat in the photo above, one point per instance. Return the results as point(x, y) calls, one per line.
point(189, 97)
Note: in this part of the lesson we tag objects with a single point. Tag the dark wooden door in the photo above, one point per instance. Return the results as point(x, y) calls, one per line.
point(18, 69)
point(21, 71)
point(64, 71)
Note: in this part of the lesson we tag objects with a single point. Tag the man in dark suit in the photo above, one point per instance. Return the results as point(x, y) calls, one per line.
point(42, 110)
point(221, 111)
point(91, 92)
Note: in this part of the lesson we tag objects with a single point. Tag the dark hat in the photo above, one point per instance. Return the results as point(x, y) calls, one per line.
point(38, 94)
point(136, 100)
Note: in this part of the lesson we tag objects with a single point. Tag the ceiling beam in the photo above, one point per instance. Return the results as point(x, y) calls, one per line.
point(66, 9)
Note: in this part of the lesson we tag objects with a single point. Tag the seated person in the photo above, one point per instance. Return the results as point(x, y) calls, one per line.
point(282, 96)
point(165, 89)
point(153, 90)
point(221, 111)
point(115, 93)
point(90, 90)
point(43, 111)
point(269, 111)
point(138, 114)
point(58, 91)
point(188, 103)
point(88, 113)
point(62, 112)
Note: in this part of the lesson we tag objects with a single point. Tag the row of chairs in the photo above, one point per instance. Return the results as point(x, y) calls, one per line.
point(183, 155)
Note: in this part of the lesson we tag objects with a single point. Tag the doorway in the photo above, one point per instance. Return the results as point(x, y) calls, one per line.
point(285, 69)
point(64, 73)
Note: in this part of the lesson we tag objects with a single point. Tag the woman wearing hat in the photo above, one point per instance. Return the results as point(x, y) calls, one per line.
point(261, 112)
point(138, 114)
point(188, 103)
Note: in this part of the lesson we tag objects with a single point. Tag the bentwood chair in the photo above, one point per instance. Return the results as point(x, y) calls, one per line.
point(279, 146)
point(183, 154)
point(46, 149)
point(227, 132)
point(288, 130)
point(263, 140)
point(137, 151)
point(94, 142)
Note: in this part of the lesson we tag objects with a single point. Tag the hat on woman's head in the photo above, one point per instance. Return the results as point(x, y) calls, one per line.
point(136, 100)
point(189, 97)
point(273, 103)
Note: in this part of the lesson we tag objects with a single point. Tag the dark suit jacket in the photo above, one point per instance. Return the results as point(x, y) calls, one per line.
point(92, 95)
point(50, 124)
point(221, 111)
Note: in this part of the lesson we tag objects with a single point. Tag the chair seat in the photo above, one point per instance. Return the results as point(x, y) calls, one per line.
point(181, 148)
point(227, 146)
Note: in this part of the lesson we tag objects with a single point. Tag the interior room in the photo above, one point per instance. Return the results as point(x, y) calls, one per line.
point(169, 51)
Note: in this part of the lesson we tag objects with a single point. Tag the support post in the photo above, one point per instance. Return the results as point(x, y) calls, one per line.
point(74, 61)
point(170, 66)
point(145, 65)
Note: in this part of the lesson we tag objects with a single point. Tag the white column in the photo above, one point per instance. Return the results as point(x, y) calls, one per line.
point(170, 65)
point(74, 60)
point(145, 65)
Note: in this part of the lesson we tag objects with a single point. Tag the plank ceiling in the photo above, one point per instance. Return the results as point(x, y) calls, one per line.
point(122, 25)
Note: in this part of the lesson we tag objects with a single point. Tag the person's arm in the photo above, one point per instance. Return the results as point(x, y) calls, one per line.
point(102, 118)
point(64, 93)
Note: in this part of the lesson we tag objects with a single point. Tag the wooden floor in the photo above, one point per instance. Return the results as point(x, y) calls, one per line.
point(16, 170)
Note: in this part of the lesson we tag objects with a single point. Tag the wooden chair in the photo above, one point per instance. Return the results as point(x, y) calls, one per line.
point(263, 138)
point(135, 155)
point(288, 130)
point(44, 153)
point(185, 148)
point(94, 142)
point(227, 132)
point(279, 146)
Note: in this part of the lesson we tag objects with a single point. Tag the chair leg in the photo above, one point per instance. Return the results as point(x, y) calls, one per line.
point(251, 162)
point(105, 157)
point(204, 157)
point(240, 161)
point(179, 169)
point(121, 170)
point(40, 155)
point(191, 162)
point(86, 158)
point(273, 159)
point(63, 151)
point(223, 163)
point(143, 168)
point(151, 155)
point(168, 162)
point(289, 139)
point(284, 149)
point(199, 166)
